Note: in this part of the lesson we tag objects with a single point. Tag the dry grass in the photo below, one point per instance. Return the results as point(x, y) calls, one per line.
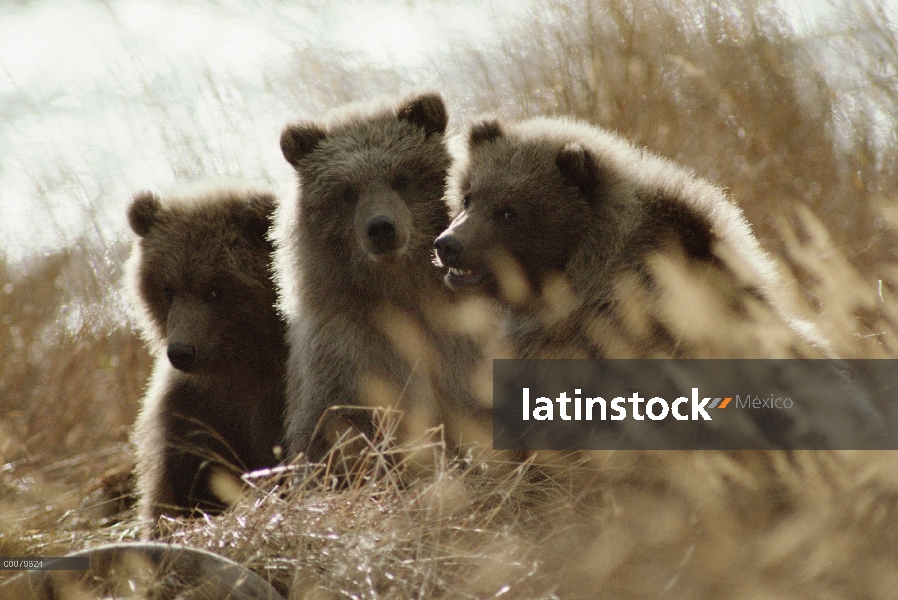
point(68, 395)
point(808, 150)
point(725, 88)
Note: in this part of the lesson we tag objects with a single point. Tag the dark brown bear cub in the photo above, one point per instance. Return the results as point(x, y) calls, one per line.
point(369, 322)
point(599, 249)
point(200, 278)
point(603, 250)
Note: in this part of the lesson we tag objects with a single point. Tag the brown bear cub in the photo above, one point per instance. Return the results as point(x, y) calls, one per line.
point(602, 250)
point(369, 322)
point(200, 277)
point(598, 249)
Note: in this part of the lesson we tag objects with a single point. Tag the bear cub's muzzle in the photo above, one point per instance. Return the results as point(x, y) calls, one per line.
point(381, 231)
point(449, 250)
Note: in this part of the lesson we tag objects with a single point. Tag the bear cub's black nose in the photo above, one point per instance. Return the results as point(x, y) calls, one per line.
point(181, 355)
point(381, 229)
point(448, 249)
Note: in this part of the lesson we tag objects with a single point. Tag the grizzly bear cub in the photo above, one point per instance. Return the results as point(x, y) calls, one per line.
point(200, 277)
point(602, 250)
point(369, 322)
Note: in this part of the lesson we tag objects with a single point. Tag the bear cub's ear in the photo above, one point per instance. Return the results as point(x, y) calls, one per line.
point(427, 111)
point(578, 167)
point(258, 215)
point(142, 212)
point(484, 131)
point(298, 139)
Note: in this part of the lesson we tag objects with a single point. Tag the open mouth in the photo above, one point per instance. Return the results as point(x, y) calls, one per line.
point(460, 277)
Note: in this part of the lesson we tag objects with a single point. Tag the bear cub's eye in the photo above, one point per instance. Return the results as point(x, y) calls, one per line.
point(509, 215)
point(399, 183)
point(466, 200)
point(350, 195)
point(214, 294)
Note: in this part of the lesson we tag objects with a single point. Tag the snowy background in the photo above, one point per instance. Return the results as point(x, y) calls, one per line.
point(99, 99)
point(102, 98)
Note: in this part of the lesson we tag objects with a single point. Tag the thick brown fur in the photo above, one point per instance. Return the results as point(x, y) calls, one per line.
point(595, 246)
point(369, 322)
point(598, 249)
point(200, 279)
